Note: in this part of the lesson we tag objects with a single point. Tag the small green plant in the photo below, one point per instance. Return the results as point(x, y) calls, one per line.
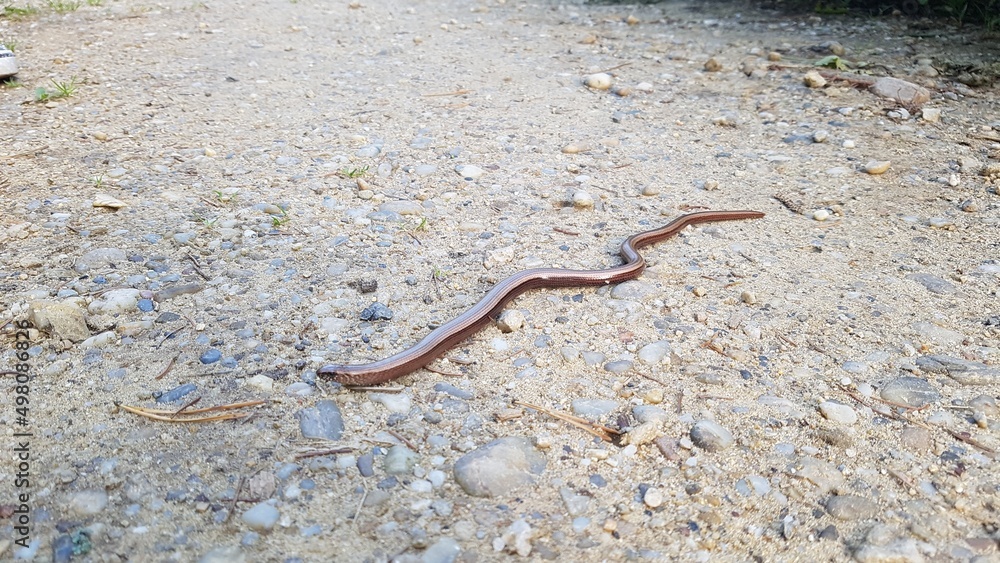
point(422, 226)
point(11, 82)
point(354, 172)
point(65, 89)
point(61, 90)
point(16, 12)
point(277, 222)
point(64, 6)
point(98, 181)
point(95, 3)
point(438, 274)
point(833, 61)
point(11, 44)
point(228, 195)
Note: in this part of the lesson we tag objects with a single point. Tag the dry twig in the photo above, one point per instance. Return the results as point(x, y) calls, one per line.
point(599, 430)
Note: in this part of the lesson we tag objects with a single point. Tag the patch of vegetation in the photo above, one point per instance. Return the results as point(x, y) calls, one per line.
point(229, 195)
point(95, 3)
point(277, 222)
point(354, 172)
point(18, 12)
point(11, 44)
point(60, 90)
point(64, 6)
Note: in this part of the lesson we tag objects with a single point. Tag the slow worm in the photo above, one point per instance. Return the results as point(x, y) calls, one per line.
point(464, 325)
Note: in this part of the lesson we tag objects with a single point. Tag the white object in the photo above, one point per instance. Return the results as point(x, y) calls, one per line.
point(8, 63)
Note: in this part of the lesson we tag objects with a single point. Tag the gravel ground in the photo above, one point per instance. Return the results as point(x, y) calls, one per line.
point(231, 187)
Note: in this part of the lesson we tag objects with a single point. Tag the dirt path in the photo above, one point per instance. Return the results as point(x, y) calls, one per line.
point(204, 220)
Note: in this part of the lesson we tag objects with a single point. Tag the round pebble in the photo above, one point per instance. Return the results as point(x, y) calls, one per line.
point(470, 172)
point(210, 356)
point(582, 200)
point(876, 167)
point(261, 517)
point(653, 497)
point(838, 412)
point(598, 81)
point(510, 320)
point(710, 435)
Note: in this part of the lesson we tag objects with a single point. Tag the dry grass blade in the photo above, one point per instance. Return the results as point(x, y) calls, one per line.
point(170, 365)
point(320, 453)
point(601, 431)
point(163, 415)
point(460, 92)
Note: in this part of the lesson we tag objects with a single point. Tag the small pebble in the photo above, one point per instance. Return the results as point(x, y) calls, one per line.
point(838, 412)
point(821, 215)
point(470, 172)
point(89, 502)
point(582, 200)
point(261, 517)
point(653, 497)
point(510, 320)
point(813, 79)
point(710, 435)
point(713, 65)
point(593, 408)
point(876, 167)
point(598, 81)
point(210, 356)
point(399, 460)
point(851, 508)
point(910, 391)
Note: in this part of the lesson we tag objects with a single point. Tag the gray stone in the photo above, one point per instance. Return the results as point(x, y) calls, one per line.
point(899, 551)
point(938, 334)
point(851, 508)
point(399, 460)
point(499, 467)
point(649, 413)
point(99, 258)
point(934, 284)
point(655, 352)
point(620, 366)
point(225, 554)
point(710, 435)
point(261, 517)
point(963, 371)
point(445, 550)
point(910, 391)
point(821, 473)
point(322, 421)
point(88, 503)
point(838, 412)
point(593, 408)
point(403, 207)
point(900, 90)
point(634, 290)
point(115, 302)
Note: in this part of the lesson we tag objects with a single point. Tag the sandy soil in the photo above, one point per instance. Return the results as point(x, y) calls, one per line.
point(227, 181)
